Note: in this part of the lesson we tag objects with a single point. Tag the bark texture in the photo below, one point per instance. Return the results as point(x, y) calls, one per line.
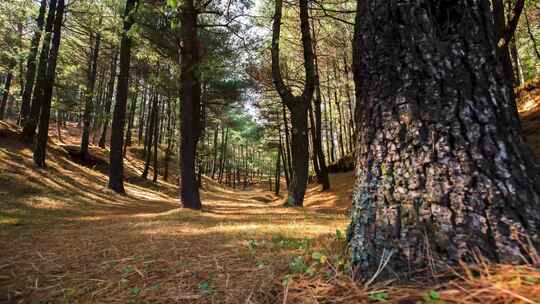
point(441, 168)
point(298, 105)
point(89, 96)
point(31, 120)
point(190, 108)
point(45, 113)
point(31, 62)
point(116, 173)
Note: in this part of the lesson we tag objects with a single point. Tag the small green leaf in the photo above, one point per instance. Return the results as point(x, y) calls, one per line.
point(206, 289)
point(134, 291)
point(380, 296)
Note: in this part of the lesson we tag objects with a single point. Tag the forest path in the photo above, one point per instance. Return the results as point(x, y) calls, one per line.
point(143, 248)
point(65, 238)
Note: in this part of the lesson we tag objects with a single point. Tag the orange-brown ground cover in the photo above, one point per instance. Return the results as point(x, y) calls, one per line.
point(65, 238)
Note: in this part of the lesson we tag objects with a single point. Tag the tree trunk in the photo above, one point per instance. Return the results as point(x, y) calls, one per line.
point(287, 140)
point(42, 137)
point(131, 119)
point(59, 125)
point(322, 178)
point(31, 63)
point(442, 171)
point(156, 144)
point(531, 36)
point(31, 120)
point(150, 135)
point(214, 162)
point(5, 95)
point(108, 101)
point(190, 110)
point(349, 104)
point(89, 97)
point(278, 172)
point(285, 162)
point(170, 133)
point(116, 174)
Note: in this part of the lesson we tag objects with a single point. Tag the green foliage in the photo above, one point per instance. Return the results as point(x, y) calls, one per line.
point(380, 296)
point(206, 289)
point(127, 270)
point(134, 291)
point(298, 265)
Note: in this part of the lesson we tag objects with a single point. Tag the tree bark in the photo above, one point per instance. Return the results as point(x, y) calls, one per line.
point(531, 36)
point(31, 120)
point(190, 110)
point(116, 173)
point(150, 135)
point(42, 137)
point(298, 105)
point(322, 177)
point(108, 101)
point(156, 144)
point(5, 94)
point(442, 171)
point(89, 96)
point(31, 63)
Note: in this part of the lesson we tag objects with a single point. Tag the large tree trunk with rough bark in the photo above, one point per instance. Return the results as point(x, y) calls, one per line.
point(116, 173)
point(442, 170)
point(190, 109)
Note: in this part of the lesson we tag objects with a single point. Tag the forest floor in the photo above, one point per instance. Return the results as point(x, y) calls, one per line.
point(66, 238)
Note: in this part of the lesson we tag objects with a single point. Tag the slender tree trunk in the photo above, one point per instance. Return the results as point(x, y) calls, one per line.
point(42, 137)
point(89, 97)
point(31, 63)
point(142, 114)
point(330, 122)
point(214, 162)
point(224, 136)
point(31, 120)
point(313, 133)
point(108, 101)
point(287, 141)
point(285, 161)
point(352, 130)
point(156, 144)
point(278, 172)
point(322, 177)
point(442, 170)
point(59, 125)
point(531, 36)
point(170, 134)
point(190, 110)
point(5, 94)
point(131, 119)
point(150, 135)
point(116, 174)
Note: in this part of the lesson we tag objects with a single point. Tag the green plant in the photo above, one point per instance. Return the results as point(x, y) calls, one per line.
point(298, 265)
point(380, 296)
point(134, 291)
point(206, 289)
